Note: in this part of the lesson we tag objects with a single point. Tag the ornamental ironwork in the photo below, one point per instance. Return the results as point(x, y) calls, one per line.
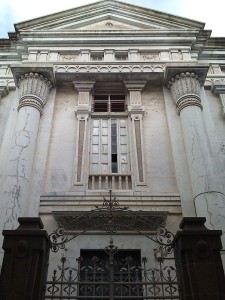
point(110, 217)
point(113, 274)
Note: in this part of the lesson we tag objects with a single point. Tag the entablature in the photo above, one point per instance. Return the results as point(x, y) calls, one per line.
point(110, 55)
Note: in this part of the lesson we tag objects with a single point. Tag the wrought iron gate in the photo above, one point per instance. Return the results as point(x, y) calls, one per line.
point(113, 274)
point(109, 274)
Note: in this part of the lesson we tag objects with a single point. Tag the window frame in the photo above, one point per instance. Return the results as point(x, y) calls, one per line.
point(104, 166)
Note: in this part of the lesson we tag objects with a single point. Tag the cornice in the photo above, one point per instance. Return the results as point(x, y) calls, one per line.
point(44, 69)
point(83, 86)
point(138, 32)
point(218, 88)
point(171, 70)
point(92, 38)
point(136, 85)
point(110, 7)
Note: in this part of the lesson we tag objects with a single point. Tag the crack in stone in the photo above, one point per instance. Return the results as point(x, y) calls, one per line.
point(209, 213)
point(20, 145)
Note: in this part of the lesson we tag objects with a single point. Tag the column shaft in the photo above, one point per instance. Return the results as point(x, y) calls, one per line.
point(33, 90)
point(209, 199)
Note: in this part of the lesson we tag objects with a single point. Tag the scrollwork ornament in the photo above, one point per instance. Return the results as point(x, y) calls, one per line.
point(165, 239)
point(110, 211)
point(112, 203)
point(58, 238)
point(111, 227)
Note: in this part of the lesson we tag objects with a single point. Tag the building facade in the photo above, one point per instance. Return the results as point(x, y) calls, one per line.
point(111, 96)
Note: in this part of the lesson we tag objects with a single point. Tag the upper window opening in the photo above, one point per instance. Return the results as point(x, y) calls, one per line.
point(109, 103)
point(121, 56)
point(97, 56)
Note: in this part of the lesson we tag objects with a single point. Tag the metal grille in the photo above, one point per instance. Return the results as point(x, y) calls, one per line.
point(113, 274)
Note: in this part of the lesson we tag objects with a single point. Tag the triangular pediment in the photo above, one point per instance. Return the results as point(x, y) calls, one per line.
point(108, 24)
point(109, 15)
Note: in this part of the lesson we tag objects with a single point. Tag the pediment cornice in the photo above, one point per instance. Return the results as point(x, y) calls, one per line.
point(122, 14)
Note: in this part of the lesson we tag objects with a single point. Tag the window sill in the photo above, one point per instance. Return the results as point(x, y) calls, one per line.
point(109, 114)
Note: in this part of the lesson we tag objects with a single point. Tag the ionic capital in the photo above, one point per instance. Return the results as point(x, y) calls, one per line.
point(33, 90)
point(185, 90)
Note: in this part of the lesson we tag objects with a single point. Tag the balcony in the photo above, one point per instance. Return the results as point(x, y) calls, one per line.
point(112, 181)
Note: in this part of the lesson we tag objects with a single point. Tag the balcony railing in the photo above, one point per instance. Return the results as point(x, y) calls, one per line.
point(112, 181)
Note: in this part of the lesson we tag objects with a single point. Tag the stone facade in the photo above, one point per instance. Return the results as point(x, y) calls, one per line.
point(76, 85)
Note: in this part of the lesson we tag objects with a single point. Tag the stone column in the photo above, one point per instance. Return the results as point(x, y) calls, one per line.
point(136, 111)
point(33, 91)
point(83, 111)
point(218, 88)
point(209, 199)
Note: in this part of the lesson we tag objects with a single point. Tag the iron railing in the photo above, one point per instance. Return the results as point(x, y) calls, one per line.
point(101, 280)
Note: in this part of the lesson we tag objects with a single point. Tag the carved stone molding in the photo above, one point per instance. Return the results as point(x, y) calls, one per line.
point(103, 68)
point(185, 90)
point(83, 88)
point(135, 88)
point(33, 89)
point(69, 58)
point(149, 56)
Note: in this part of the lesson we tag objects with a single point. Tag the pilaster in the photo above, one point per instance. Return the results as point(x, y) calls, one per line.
point(83, 111)
point(109, 55)
point(218, 88)
point(84, 55)
point(133, 54)
point(136, 111)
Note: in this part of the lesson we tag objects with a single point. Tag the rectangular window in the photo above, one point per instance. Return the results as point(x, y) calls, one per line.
point(121, 56)
point(96, 56)
point(109, 103)
point(109, 146)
